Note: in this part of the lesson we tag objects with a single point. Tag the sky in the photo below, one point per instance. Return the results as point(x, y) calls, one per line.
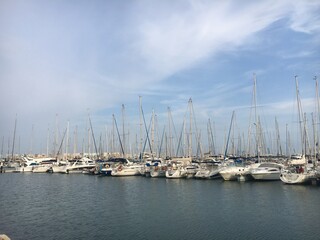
point(64, 62)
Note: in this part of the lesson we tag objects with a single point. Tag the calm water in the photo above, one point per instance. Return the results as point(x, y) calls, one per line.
point(54, 206)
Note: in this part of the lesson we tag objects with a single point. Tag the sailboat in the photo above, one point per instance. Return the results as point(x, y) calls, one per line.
point(262, 170)
point(299, 173)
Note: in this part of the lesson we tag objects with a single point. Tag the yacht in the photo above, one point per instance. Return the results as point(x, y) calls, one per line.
point(152, 165)
point(297, 175)
point(266, 171)
point(208, 173)
point(298, 172)
point(176, 170)
point(158, 171)
point(126, 169)
point(80, 166)
point(191, 170)
point(106, 170)
point(235, 170)
point(26, 166)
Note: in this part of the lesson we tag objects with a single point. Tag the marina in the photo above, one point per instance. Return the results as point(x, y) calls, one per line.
point(159, 120)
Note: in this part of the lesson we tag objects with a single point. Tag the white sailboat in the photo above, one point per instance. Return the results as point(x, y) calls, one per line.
point(208, 172)
point(232, 172)
point(298, 172)
point(177, 167)
point(176, 172)
point(126, 170)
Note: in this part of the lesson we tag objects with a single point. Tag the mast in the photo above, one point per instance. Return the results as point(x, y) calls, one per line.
point(48, 136)
point(14, 137)
point(123, 131)
point(115, 122)
point(317, 120)
point(2, 147)
point(257, 121)
point(211, 138)
point(32, 136)
point(75, 141)
point(55, 143)
point(227, 144)
point(279, 148)
point(190, 129)
point(67, 140)
point(300, 115)
point(170, 134)
point(152, 133)
point(140, 125)
point(94, 139)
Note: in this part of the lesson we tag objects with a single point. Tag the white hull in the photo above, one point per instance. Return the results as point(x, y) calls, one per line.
point(296, 178)
point(232, 173)
point(59, 169)
point(81, 166)
point(176, 173)
point(125, 171)
point(157, 174)
point(208, 174)
point(24, 169)
point(266, 176)
point(202, 174)
point(266, 171)
point(41, 169)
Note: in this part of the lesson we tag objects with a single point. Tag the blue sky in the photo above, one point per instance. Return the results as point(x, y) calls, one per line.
point(71, 58)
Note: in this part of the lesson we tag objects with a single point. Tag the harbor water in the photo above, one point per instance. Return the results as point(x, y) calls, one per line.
point(76, 206)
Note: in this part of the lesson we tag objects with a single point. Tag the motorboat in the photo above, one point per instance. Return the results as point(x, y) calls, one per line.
point(80, 166)
point(26, 166)
point(266, 171)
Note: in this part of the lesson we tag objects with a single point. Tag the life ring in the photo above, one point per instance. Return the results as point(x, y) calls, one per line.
point(120, 168)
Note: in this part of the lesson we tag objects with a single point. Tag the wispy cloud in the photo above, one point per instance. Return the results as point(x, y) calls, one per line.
point(65, 57)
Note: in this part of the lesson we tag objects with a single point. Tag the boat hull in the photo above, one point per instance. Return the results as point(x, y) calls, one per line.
point(176, 174)
point(295, 178)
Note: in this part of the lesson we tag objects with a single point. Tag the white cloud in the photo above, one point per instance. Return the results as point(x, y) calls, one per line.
point(58, 58)
point(305, 16)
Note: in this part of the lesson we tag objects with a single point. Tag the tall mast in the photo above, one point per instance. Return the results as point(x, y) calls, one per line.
point(300, 115)
point(190, 129)
point(75, 141)
point(48, 136)
point(32, 136)
point(140, 125)
point(317, 120)
point(67, 140)
point(257, 122)
point(14, 137)
point(2, 146)
point(170, 133)
point(279, 149)
point(227, 143)
point(123, 130)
